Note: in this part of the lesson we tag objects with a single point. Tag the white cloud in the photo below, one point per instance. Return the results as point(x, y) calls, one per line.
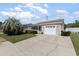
point(46, 5)
point(42, 10)
point(15, 9)
point(25, 15)
point(18, 9)
point(62, 11)
point(76, 13)
point(34, 6)
point(21, 6)
point(37, 16)
point(45, 11)
point(68, 16)
point(22, 15)
point(11, 9)
point(29, 4)
point(0, 17)
point(8, 13)
point(71, 17)
point(62, 14)
point(12, 12)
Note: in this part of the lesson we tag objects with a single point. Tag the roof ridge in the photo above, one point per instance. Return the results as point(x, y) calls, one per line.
point(52, 21)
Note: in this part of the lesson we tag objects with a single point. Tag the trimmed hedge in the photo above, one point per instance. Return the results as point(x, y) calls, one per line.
point(65, 33)
point(31, 32)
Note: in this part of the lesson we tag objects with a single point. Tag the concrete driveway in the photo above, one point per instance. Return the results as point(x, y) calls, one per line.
point(41, 45)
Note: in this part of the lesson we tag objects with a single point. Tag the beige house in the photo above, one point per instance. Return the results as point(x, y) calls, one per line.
point(53, 27)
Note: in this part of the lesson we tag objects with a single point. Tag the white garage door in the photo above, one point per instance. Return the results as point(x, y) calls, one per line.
point(50, 29)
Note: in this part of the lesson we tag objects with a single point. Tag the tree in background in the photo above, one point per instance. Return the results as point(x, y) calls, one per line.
point(0, 25)
point(64, 26)
point(75, 24)
point(12, 26)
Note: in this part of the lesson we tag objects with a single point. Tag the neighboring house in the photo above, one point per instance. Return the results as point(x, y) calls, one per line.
point(53, 27)
point(73, 29)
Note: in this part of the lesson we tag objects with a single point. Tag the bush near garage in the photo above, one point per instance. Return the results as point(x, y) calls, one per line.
point(65, 33)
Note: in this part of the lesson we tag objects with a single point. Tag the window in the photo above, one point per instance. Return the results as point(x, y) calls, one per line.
point(50, 26)
point(53, 26)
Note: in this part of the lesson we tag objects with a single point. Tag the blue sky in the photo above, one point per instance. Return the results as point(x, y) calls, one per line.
point(37, 12)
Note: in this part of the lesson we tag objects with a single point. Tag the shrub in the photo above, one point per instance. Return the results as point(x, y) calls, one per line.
point(12, 26)
point(65, 33)
point(31, 32)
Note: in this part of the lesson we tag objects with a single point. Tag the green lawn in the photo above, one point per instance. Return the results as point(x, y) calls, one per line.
point(75, 40)
point(16, 38)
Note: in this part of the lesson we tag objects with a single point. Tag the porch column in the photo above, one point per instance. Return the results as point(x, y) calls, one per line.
point(38, 29)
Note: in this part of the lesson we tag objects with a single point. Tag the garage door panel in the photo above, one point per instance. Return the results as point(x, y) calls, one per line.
point(50, 31)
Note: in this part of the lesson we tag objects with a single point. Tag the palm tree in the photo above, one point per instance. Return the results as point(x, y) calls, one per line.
point(12, 26)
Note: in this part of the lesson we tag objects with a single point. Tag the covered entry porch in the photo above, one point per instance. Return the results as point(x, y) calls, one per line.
point(37, 28)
